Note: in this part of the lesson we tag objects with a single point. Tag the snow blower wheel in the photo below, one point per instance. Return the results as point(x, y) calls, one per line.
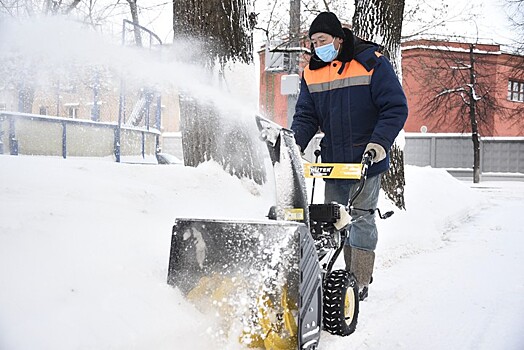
point(340, 303)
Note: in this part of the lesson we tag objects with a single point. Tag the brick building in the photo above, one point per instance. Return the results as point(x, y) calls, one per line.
point(432, 67)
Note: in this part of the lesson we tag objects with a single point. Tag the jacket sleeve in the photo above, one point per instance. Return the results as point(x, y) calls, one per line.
point(305, 121)
point(391, 102)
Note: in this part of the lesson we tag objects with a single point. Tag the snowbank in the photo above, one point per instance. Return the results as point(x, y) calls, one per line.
point(84, 246)
point(435, 204)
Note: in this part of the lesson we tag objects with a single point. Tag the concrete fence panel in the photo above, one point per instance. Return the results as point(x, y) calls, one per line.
point(80, 141)
point(503, 155)
point(30, 134)
point(455, 151)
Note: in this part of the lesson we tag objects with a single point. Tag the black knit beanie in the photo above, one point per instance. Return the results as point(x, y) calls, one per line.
point(327, 22)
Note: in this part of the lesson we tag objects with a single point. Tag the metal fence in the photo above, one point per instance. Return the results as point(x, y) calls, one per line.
point(455, 151)
point(31, 134)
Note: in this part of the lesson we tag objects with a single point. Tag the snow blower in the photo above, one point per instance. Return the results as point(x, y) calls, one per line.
point(271, 281)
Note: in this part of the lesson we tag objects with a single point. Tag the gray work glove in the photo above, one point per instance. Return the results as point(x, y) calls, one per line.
point(380, 152)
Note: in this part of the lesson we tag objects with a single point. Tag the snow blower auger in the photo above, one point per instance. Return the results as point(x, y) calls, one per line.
point(271, 281)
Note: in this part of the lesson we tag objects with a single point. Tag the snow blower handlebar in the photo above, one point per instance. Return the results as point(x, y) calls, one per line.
point(349, 172)
point(368, 157)
point(367, 161)
point(317, 154)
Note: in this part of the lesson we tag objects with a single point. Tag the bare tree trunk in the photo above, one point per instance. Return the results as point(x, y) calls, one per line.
point(473, 117)
point(134, 16)
point(221, 28)
point(48, 6)
point(26, 90)
point(381, 21)
point(71, 7)
point(26, 96)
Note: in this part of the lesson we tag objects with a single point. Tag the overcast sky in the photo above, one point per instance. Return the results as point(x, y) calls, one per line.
point(466, 18)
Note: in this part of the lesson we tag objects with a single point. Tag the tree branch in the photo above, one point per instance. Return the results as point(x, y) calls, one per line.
point(72, 6)
point(7, 8)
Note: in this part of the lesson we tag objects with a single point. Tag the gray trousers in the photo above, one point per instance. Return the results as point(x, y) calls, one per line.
point(363, 232)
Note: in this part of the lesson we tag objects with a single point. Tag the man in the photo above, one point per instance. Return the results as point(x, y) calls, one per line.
point(351, 93)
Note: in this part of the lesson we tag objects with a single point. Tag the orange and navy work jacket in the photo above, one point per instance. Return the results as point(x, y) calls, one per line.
point(353, 103)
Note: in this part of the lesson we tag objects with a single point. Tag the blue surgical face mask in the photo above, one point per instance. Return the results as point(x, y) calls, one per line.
point(327, 53)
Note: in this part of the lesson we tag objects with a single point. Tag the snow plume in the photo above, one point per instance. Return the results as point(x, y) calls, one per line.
point(56, 56)
point(39, 49)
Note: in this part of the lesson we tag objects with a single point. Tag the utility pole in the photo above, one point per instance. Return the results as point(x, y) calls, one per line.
point(294, 43)
point(294, 34)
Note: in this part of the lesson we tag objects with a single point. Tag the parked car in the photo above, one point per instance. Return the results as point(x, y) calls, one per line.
point(166, 158)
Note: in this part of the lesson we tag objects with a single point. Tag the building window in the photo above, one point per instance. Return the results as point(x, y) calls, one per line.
point(43, 110)
point(72, 109)
point(72, 112)
point(516, 91)
point(3, 106)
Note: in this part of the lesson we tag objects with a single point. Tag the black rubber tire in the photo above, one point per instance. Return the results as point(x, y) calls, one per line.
point(340, 303)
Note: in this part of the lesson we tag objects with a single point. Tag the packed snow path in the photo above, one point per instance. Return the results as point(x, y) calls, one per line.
point(467, 295)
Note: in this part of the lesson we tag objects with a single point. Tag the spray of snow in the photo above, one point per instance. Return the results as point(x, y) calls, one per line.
point(48, 46)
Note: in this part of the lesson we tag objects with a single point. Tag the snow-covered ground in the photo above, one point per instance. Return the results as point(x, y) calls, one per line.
point(84, 250)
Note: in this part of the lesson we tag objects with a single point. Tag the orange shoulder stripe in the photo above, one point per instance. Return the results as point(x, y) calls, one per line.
point(327, 78)
point(330, 73)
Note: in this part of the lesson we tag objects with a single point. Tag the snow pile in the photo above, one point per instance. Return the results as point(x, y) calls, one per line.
point(84, 251)
point(84, 247)
point(435, 204)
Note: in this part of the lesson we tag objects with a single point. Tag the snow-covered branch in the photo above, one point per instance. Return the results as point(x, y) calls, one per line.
point(466, 66)
point(473, 92)
point(450, 91)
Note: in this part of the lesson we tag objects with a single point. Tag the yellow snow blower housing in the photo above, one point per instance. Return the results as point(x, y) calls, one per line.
point(271, 281)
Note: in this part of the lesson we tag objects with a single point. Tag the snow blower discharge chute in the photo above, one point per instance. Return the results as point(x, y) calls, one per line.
point(271, 281)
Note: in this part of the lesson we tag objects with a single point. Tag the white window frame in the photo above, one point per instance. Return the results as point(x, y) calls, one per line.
point(72, 109)
point(515, 90)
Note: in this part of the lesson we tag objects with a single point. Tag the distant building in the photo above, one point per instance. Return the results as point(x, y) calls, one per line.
point(273, 68)
point(434, 64)
point(93, 95)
